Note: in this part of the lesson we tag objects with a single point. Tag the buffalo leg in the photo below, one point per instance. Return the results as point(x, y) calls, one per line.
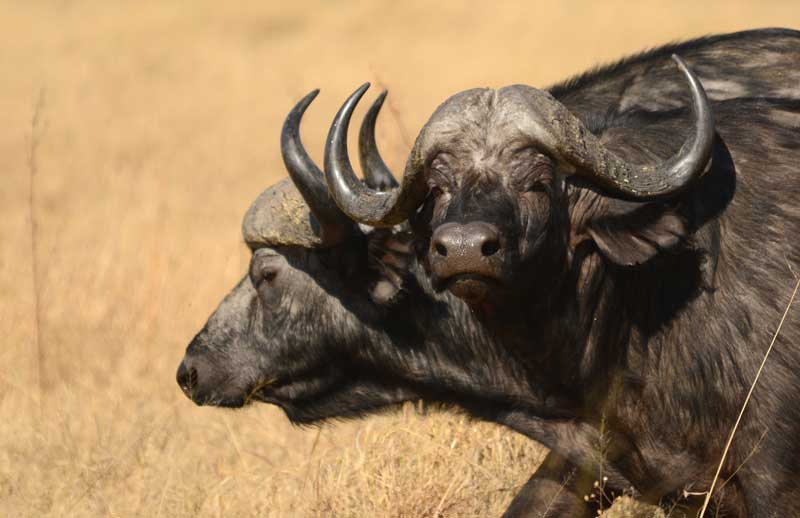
point(556, 489)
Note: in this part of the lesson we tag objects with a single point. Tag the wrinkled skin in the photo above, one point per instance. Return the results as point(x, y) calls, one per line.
point(305, 331)
point(481, 169)
point(648, 309)
point(297, 334)
point(655, 313)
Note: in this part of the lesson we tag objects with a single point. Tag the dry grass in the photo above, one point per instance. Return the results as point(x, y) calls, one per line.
point(159, 126)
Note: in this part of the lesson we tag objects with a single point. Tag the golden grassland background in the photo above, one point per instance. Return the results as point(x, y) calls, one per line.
point(157, 125)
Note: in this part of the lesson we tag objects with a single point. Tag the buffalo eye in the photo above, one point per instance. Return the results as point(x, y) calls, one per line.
point(531, 171)
point(263, 277)
point(267, 275)
point(265, 267)
point(441, 172)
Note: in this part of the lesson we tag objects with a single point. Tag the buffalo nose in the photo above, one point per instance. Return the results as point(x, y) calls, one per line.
point(472, 241)
point(187, 378)
point(467, 259)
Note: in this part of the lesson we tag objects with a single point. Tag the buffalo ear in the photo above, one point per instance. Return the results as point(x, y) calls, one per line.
point(636, 236)
point(629, 233)
point(391, 256)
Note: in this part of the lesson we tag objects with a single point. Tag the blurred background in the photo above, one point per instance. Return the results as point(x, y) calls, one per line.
point(134, 136)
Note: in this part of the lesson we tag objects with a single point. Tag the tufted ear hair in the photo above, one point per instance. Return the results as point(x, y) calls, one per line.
point(629, 233)
point(633, 237)
point(391, 256)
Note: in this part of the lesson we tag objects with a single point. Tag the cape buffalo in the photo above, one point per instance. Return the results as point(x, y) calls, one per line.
point(335, 321)
point(635, 263)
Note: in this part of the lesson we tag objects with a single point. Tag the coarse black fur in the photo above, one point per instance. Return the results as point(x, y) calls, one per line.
point(303, 332)
point(651, 316)
point(753, 63)
point(636, 334)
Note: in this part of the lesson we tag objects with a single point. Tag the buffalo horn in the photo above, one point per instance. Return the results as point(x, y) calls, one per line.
point(376, 174)
point(334, 225)
point(358, 201)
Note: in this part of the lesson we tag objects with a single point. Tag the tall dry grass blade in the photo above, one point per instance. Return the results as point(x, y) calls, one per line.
point(165, 488)
point(235, 442)
point(33, 169)
point(310, 458)
point(405, 136)
point(746, 401)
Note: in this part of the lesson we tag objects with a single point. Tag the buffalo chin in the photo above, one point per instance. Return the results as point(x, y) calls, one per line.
point(220, 401)
point(471, 288)
point(231, 398)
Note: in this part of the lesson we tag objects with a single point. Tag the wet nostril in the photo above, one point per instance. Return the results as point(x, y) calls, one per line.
point(490, 247)
point(440, 249)
point(187, 378)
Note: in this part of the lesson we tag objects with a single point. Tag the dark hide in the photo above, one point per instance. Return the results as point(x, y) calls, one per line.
point(651, 318)
point(755, 63)
point(635, 330)
point(305, 331)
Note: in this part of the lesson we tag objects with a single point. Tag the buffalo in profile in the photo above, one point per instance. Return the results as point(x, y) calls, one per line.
point(333, 320)
point(636, 260)
point(337, 320)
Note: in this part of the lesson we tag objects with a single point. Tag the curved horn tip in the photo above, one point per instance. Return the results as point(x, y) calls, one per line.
point(682, 65)
point(309, 180)
point(675, 173)
point(375, 109)
point(378, 103)
point(376, 174)
point(342, 119)
point(343, 185)
point(677, 59)
point(291, 124)
point(360, 91)
point(303, 103)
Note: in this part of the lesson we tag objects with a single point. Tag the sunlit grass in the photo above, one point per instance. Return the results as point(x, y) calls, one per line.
point(159, 125)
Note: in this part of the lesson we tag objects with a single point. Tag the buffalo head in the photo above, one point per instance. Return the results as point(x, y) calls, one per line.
point(290, 332)
point(486, 187)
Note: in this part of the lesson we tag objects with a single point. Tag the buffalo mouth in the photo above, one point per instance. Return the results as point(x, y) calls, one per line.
point(473, 288)
point(260, 392)
point(285, 390)
point(218, 400)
